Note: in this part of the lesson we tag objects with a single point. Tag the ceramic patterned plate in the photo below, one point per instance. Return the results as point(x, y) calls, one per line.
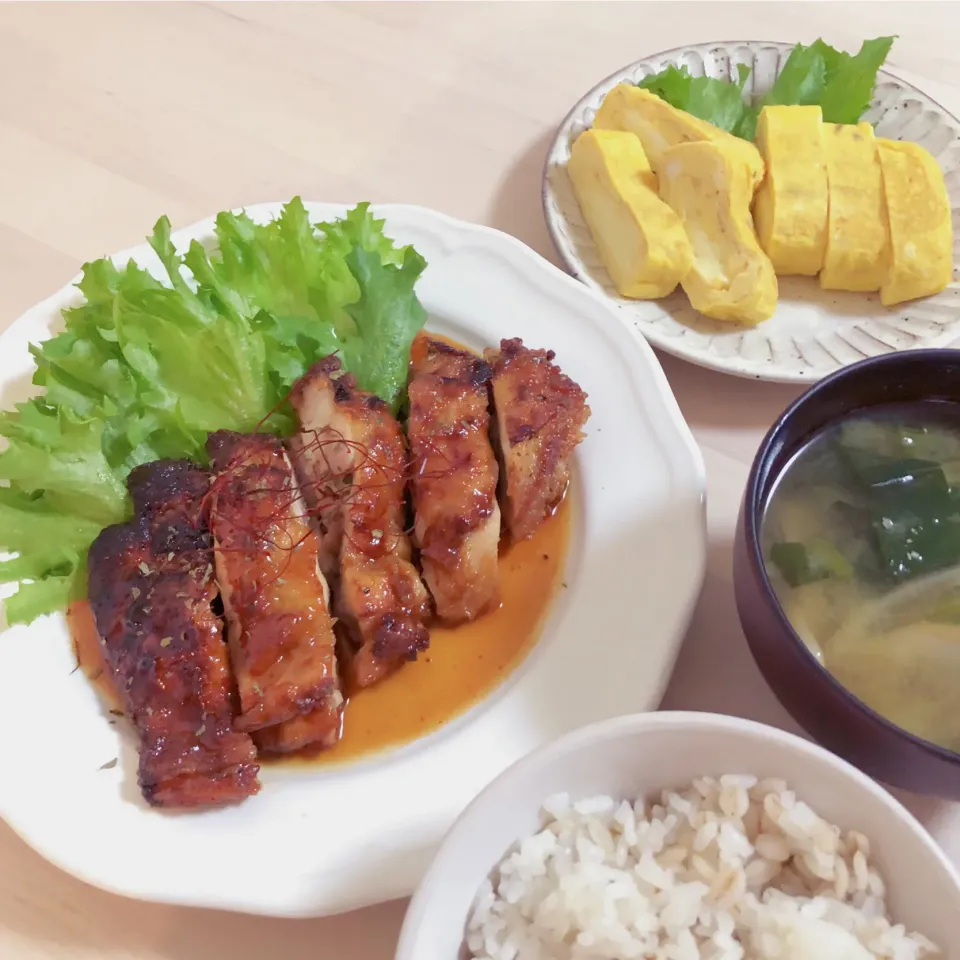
point(813, 331)
point(319, 840)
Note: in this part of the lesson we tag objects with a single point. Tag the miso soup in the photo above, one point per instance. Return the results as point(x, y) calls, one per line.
point(861, 540)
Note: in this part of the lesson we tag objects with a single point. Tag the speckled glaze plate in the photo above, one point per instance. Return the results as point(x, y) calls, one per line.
point(813, 331)
point(319, 840)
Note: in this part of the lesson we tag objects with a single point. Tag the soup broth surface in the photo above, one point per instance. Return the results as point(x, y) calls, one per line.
point(861, 540)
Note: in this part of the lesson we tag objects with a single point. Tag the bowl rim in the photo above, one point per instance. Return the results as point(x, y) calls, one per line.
point(753, 510)
point(412, 932)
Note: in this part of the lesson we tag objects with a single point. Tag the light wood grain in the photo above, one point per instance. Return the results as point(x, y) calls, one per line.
point(111, 114)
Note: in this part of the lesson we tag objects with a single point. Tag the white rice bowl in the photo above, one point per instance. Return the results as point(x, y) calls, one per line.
point(727, 868)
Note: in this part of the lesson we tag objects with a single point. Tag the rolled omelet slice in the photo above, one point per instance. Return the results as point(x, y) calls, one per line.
point(919, 218)
point(791, 206)
point(661, 126)
point(641, 240)
point(708, 186)
point(857, 255)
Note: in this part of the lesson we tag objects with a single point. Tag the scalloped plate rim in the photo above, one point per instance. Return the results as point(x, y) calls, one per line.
point(391, 861)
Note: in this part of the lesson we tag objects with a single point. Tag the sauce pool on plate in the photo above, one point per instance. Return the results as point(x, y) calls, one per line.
point(462, 665)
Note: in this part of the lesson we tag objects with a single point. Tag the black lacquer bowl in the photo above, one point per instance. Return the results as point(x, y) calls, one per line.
point(818, 702)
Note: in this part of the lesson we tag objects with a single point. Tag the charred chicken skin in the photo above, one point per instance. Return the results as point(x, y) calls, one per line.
point(454, 479)
point(151, 591)
point(289, 534)
point(276, 600)
point(540, 414)
point(352, 460)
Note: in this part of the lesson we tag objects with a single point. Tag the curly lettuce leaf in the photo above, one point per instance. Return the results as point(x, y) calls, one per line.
point(344, 286)
point(60, 492)
point(840, 83)
point(144, 369)
point(284, 267)
point(387, 314)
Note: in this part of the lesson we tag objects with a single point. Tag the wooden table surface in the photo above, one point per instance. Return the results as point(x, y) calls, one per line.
point(111, 114)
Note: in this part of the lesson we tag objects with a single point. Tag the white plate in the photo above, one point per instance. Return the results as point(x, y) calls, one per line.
point(319, 841)
point(813, 332)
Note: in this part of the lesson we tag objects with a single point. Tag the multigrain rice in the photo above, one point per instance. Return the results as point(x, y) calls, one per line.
point(724, 869)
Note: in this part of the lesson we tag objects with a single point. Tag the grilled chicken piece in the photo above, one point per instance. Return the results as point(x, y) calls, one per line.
point(276, 601)
point(457, 518)
point(324, 467)
point(353, 446)
point(321, 727)
point(151, 590)
point(540, 413)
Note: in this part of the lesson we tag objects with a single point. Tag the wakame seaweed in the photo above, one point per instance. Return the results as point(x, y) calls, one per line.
point(902, 521)
point(801, 563)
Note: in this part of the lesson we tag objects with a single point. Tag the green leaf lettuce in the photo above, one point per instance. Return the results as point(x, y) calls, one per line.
point(145, 368)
